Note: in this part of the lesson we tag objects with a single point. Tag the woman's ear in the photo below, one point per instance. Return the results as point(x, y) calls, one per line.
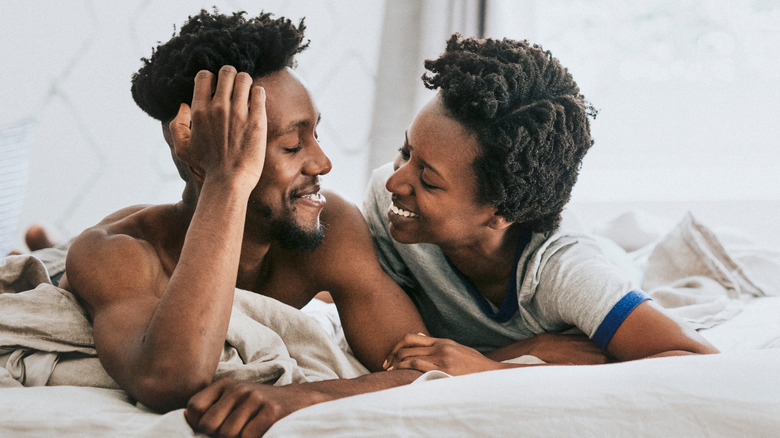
point(498, 222)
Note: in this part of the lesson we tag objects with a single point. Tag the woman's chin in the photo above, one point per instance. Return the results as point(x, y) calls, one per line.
point(402, 237)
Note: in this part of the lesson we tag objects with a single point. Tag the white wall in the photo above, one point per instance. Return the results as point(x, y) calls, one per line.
point(68, 64)
point(688, 92)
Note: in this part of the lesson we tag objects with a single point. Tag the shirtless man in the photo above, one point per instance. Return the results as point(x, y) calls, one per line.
point(158, 281)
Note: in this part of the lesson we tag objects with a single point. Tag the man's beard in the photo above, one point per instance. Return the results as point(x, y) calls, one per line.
point(293, 237)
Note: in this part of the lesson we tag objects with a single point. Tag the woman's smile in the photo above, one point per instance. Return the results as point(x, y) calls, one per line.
point(402, 211)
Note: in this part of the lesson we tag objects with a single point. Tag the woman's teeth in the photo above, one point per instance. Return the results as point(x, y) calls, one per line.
point(401, 212)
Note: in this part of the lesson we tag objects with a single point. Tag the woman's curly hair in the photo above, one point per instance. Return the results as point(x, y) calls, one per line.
point(207, 41)
point(530, 120)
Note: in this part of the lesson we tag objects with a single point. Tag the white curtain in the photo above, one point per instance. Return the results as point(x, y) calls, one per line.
point(413, 31)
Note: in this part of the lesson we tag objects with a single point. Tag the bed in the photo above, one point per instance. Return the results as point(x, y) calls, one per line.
point(725, 285)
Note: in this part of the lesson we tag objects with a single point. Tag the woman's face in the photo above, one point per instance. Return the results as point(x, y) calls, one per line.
point(434, 187)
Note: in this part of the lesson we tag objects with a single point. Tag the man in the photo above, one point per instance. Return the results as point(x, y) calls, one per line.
point(158, 281)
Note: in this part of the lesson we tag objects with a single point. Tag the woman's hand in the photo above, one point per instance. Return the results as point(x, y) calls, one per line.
point(424, 353)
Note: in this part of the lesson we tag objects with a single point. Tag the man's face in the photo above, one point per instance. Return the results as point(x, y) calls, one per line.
point(286, 203)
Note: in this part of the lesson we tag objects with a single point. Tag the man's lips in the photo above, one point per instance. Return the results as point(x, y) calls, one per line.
point(317, 197)
point(309, 194)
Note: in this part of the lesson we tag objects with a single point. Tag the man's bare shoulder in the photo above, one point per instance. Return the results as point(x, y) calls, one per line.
point(109, 258)
point(347, 246)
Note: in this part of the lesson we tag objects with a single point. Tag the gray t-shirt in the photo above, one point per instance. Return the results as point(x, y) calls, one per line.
point(564, 283)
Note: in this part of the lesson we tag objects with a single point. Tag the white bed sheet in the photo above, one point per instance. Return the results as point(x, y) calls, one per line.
point(736, 393)
point(727, 395)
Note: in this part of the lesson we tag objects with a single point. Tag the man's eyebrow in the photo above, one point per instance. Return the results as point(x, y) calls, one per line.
point(424, 163)
point(294, 126)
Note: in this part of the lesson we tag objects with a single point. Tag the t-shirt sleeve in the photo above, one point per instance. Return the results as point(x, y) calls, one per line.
point(579, 286)
point(616, 316)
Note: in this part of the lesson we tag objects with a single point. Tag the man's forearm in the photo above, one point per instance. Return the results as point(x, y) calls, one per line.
point(340, 388)
point(210, 411)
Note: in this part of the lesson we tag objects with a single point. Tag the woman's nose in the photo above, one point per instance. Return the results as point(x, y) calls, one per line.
point(398, 182)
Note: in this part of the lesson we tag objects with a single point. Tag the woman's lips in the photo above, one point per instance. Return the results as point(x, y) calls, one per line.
point(395, 209)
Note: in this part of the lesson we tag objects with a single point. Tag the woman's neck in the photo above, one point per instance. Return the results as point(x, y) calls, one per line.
point(487, 263)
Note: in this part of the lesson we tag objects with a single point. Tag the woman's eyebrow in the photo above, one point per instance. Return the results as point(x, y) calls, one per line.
point(424, 163)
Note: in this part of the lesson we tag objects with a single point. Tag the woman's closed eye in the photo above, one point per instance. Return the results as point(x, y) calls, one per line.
point(426, 185)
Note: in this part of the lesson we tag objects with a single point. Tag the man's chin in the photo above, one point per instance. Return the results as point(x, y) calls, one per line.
point(294, 237)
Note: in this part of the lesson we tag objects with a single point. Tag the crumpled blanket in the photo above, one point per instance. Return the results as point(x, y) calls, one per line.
point(695, 276)
point(46, 338)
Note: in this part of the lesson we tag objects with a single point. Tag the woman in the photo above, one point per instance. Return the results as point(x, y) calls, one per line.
point(469, 223)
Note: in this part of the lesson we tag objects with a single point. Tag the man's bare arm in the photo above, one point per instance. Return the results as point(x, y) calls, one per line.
point(161, 338)
point(230, 408)
point(375, 312)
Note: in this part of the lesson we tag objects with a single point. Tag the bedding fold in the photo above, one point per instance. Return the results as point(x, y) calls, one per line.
point(46, 337)
point(692, 274)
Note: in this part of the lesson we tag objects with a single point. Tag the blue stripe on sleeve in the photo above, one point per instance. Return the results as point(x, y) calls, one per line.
point(616, 316)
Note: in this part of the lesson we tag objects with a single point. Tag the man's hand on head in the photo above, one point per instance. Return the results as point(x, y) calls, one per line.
point(223, 135)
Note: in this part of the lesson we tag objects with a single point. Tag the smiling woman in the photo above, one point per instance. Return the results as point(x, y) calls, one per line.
point(468, 220)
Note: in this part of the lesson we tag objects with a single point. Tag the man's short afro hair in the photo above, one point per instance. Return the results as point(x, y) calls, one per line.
point(530, 120)
point(207, 41)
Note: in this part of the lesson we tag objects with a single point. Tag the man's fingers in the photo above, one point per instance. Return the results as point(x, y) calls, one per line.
point(180, 128)
point(257, 112)
point(239, 417)
point(225, 82)
point(241, 87)
point(200, 403)
point(218, 413)
point(269, 414)
point(205, 83)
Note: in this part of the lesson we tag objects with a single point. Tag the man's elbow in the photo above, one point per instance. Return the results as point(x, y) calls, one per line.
point(164, 393)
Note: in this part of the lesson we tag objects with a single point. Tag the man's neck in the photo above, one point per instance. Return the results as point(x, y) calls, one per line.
point(255, 265)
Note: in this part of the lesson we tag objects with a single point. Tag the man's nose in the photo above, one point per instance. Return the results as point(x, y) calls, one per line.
point(318, 163)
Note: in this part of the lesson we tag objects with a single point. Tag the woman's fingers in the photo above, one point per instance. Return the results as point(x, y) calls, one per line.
point(417, 363)
point(409, 340)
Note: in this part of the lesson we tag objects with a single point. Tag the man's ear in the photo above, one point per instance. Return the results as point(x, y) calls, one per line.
point(167, 134)
point(186, 172)
point(498, 222)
